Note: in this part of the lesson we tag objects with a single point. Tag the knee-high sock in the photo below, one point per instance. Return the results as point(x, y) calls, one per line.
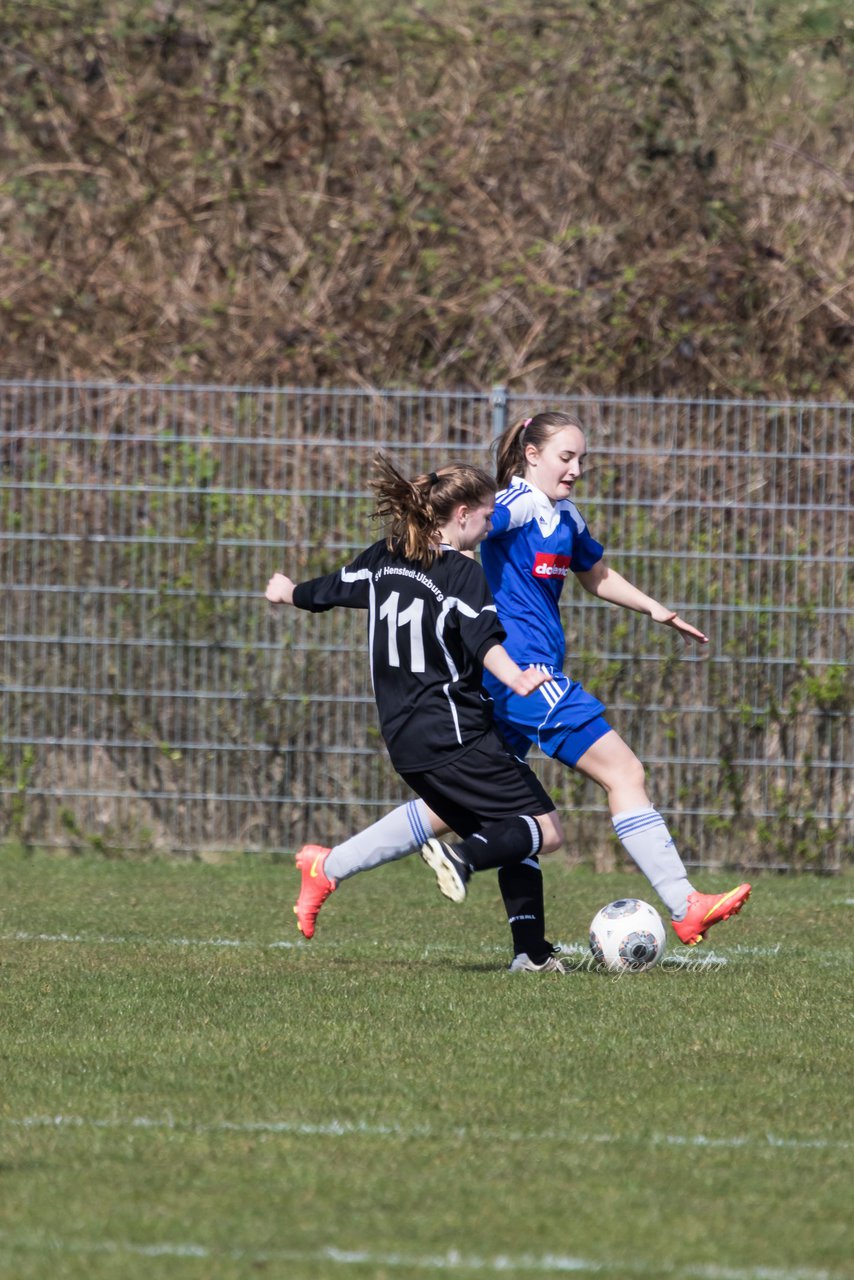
point(521, 886)
point(500, 843)
point(394, 836)
point(644, 835)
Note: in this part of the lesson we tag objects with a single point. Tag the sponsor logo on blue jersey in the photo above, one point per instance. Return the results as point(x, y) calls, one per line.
point(550, 566)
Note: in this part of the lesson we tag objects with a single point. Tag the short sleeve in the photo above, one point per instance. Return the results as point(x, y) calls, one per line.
point(586, 552)
point(476, 613)
point(513, 508)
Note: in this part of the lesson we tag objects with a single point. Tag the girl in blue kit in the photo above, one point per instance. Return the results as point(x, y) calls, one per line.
point(538, 538)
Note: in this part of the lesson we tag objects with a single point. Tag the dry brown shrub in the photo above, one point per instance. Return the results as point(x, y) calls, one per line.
point(650, 197)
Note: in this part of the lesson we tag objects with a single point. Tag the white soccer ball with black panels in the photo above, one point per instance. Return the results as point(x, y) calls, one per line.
point(627, 936)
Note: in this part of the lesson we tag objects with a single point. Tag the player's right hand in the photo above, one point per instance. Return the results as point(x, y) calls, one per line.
point(280, 589)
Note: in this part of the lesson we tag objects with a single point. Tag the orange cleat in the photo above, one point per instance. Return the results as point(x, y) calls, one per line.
point(706, 909)
point(315, 889)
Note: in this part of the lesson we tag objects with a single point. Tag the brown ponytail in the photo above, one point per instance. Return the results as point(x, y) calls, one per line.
point(415, 510)
point(509, 448)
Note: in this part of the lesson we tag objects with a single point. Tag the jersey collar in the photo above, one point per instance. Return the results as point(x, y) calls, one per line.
point(547, 513)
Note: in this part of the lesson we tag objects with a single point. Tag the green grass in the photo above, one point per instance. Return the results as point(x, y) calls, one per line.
point(386, 1101)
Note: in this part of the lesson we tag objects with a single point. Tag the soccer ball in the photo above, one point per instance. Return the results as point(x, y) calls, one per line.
point(627, 936)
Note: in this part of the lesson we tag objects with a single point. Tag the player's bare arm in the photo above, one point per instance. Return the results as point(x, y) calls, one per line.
point(606, 584)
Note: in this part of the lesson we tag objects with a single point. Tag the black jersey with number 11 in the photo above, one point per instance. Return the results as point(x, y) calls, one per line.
point(428, 630)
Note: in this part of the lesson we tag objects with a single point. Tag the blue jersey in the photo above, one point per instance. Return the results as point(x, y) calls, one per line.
point(533, 545)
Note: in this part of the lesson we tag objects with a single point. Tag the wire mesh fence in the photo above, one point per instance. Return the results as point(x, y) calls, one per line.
point(153, 700)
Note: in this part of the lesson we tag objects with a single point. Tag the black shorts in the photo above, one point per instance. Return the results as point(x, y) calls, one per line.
point(483, 785)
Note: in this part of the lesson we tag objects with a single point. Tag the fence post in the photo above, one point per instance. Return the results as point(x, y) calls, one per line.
point(499, 411)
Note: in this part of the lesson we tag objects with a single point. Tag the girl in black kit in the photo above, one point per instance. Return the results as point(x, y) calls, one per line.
point(432, 629)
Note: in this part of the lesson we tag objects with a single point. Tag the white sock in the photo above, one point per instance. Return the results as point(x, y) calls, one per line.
point(645, 838)
point(398, 833)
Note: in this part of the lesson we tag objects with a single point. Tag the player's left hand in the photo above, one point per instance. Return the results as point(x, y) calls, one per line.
point(668, 618)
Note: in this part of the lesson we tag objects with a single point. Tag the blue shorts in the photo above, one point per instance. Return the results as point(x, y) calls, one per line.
point(560, 717)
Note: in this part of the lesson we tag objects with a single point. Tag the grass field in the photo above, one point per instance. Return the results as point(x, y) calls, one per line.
point(189, 1090)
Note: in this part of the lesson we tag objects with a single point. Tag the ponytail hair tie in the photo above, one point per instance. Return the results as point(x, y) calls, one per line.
point(433, 478)
point(527, 423)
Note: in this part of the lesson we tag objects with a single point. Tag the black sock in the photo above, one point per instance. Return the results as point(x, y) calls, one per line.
point(521, 886)
point(501, 843)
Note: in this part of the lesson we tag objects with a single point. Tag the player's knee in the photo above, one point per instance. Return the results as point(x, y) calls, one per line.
point(625, 776)
point(552, 831)
point(635, 774)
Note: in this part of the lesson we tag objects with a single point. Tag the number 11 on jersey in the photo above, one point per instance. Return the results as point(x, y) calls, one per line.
point(411, 618)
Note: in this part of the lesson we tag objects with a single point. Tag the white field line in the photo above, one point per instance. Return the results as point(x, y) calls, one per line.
point(689, 959)
point(452, 1261)
point(346, 1128)
point(675, 960)
point(102, 940)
